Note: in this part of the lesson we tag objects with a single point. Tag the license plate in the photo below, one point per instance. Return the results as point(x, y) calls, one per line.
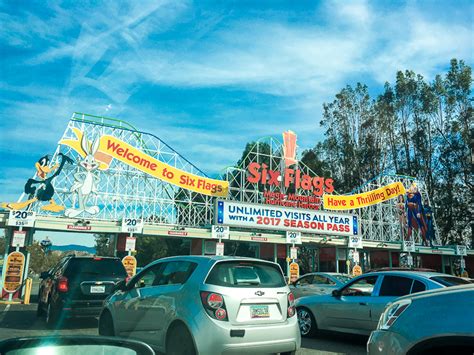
point(97, 289)
point(259, 312)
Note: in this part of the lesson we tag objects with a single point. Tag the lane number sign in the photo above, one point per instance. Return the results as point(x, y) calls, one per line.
point(355, 241)
point(293, 237)
point(130, 243)
point(21, 218)
point(409, 246)
point(132, 225)
point(220, 249)
point(19, 239)
point(220, 232)
point(294, 253)
point(461, 250)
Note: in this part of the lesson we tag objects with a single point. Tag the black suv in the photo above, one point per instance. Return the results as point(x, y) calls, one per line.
point(77, 287)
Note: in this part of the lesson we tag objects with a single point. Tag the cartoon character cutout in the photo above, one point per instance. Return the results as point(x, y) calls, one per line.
point(86, 181)
point(414, 211)
point(429, 222)
point(42, 189)
point(402, 216)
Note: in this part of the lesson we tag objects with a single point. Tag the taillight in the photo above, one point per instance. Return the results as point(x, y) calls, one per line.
point(214, 305)
point(63, 284)
point(291, 305)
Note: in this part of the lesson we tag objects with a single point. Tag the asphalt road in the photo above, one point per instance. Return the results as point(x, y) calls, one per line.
point(20, 320)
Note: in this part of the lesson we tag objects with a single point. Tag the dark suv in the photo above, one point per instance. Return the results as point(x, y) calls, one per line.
point(77, 287)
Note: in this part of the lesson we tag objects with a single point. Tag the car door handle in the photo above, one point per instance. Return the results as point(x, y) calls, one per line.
point(363, 303)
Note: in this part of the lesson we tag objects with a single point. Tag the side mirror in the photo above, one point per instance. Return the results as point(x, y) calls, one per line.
point(336, 293)
point(44, 275)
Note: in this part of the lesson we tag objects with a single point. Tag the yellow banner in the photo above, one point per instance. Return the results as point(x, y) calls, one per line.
point(111, 147)
point(349, 202)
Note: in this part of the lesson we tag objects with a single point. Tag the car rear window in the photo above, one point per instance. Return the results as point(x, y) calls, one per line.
point(450, 280)
point(245, 274)
point(96, 266)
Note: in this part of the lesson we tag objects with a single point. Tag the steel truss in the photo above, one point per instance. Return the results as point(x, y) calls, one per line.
point(124, 191)
point(381, 222)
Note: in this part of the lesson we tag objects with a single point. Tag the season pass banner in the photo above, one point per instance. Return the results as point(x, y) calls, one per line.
point(280, 218)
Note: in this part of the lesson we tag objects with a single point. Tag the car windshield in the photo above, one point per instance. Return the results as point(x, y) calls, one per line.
point(342, 278)
point(450, 280)
point(96, 266)
point(245, 274)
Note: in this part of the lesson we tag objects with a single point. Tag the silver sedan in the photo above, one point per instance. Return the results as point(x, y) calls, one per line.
point(318, 283)
point(356, 307)
point(206, 305)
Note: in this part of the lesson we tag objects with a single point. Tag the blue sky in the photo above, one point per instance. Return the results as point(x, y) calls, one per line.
point(218, 74)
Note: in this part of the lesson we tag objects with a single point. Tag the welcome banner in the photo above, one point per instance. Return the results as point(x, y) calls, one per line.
point(112, 147)
point(349, 202)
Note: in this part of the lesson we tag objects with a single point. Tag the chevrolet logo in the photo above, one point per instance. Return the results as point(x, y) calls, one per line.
point(259, 293)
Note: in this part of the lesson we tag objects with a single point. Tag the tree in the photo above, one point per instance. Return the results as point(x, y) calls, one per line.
point(414, 128)
point(39, 261)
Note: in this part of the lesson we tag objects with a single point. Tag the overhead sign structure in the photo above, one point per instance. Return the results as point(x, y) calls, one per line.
point(350, 202)
point(409, 246)
point(18, 239)
point(130, 264)
point(13, 271)
point(461, 250)
point(293, 237)
point(18, 218)
point(355, 242)
point(132, 225)
point(279, 218)
point(220, 232)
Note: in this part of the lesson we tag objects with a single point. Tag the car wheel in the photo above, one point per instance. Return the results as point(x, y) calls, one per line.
point(40, 309)
point(179, 341)
point(288, 353)
point(51, 315)
point(106, 324)
point(306, 322)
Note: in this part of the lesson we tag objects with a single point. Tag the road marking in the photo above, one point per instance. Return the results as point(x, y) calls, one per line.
point(4, 312)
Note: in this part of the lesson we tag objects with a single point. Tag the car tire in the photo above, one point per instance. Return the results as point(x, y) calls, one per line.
point(40, 310)
point(106, 324)
point(306, 322)
point(179, 341)
point(51, 315)
point(289, 353)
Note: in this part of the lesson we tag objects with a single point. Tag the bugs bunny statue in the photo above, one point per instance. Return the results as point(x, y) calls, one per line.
point(85, 181)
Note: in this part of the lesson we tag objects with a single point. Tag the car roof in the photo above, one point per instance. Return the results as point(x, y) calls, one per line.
point(423, 274)
point(207, 258)
point(439, 292)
